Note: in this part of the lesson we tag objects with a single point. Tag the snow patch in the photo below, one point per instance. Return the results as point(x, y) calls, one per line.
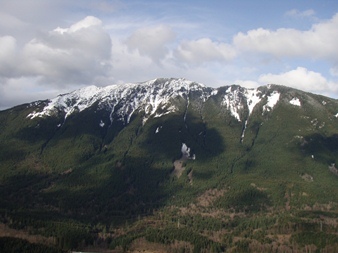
point(158, 129)
point(253, 98)
point(214, 92)
point(232, 101)
point(186, 152)
point(186, 110)
point(272, 101)
point(32, 115)
point(158, 115)
point(243, 132)
point(295, 101)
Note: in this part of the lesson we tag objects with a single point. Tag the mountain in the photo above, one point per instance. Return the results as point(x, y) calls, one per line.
point(174, 162)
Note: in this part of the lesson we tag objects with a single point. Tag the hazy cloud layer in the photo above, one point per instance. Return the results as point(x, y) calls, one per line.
point(300, 14)
point(8, 56)
point(204, 50)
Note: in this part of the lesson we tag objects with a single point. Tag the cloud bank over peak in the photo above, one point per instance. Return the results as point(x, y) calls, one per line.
point(300, 78)
point(117, 48)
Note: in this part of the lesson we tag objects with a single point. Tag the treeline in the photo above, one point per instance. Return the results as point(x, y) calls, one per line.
point(68, 234)
point(168, 236)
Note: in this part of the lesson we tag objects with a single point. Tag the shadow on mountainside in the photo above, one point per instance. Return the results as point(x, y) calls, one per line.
point(166, 136)
point(323, 148)
point(128, 178)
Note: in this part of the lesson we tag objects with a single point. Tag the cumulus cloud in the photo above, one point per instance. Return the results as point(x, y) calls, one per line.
point(78, 54)
point(84, 53)
point(204, 50)
point(320, 42)
point(151, 41)
point(300, 78)
point(87, 22)
point(55, 60)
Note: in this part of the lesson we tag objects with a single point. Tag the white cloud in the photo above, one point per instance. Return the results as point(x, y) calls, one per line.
point(204, 50)
point(129, 63)
point(300, 78)
point(300, 14)
point(320, 42)
point(151, 41)
point(56, 60)
point(142, 47)
point(78, 54)
point(87, 22)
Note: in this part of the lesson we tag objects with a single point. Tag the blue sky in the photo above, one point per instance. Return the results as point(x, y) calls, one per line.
point(50, 47)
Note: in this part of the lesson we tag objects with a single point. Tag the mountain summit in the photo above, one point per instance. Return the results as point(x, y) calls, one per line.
point(128, 98)
point(160, 152)
point(154, 99)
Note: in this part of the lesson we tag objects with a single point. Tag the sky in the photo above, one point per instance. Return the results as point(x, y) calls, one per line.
point(50, 47)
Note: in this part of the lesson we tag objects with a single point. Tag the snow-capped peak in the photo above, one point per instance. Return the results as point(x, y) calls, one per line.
point(153, 99)
point(149, 95)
